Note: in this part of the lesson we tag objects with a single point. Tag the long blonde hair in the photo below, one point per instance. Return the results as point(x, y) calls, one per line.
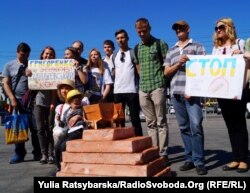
point(230, 31)
point(99, 62)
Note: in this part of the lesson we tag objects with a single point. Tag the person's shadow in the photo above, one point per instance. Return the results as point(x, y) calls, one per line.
point(213, 158)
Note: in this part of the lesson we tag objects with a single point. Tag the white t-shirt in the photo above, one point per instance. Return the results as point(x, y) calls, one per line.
point(109, 62)
point(239, 45)
point(97, 80)
point(124, 74)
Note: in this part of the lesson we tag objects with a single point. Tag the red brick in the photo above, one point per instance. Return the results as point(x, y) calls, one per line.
point(108, 134)
point(146, 170)
point(143, 157)
point(132, 145)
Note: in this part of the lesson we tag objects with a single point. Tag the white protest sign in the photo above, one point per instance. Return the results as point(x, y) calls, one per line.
point(215, 76)
point(46, 74)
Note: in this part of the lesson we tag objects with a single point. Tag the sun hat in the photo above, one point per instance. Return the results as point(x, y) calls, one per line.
point(66, 82)
point(179, 23)
point(73, 93)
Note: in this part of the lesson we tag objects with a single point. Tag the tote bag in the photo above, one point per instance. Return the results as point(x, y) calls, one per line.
point(16, 128)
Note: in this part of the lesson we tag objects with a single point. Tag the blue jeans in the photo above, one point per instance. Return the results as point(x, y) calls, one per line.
point(189, 117)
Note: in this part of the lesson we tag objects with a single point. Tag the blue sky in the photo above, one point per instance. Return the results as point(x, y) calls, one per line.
point(59, 22)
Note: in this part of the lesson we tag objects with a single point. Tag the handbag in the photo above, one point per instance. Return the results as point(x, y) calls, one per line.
point(16, 128)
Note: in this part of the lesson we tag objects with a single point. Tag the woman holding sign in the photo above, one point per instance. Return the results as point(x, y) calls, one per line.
point(44, 110)
point(233, 110)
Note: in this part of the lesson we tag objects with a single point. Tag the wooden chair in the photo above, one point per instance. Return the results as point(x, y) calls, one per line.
point(119, 114)
point(99, 115)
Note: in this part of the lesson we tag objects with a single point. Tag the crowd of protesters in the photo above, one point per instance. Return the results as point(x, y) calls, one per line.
point(134, 77)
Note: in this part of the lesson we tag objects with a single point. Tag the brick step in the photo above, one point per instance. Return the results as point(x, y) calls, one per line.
point(143, 157)
point(108, 134)
point(129, 145)
point(166, 172)
point(145, 170)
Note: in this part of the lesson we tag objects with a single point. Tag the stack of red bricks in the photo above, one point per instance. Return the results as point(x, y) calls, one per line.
point(112, 152)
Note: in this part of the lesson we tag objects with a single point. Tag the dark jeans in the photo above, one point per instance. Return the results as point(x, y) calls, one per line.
point(132, 100)
point(44, 131)
point(233, 112)
point(61, 145)
point(20, 147)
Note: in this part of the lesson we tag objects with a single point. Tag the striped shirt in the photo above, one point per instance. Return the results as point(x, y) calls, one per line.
point(179, 79)
point(151, 73)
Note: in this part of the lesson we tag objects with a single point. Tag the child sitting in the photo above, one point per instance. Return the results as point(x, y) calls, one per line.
point(73, 121)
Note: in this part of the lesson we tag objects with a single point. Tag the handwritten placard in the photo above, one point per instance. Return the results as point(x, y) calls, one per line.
point(214, 76)
point(46, 74)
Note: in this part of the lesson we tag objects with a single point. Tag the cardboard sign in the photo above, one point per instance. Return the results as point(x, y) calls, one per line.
point(215, 76)
point(46, 74)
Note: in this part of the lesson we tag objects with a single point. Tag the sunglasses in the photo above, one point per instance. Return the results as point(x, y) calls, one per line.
point(220, 27)
point(180, 28)
point(122, 58)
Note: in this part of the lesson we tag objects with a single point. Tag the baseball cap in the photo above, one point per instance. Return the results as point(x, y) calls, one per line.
point(179, 23)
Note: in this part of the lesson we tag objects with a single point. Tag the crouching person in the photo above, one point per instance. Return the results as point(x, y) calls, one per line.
point(73, 122)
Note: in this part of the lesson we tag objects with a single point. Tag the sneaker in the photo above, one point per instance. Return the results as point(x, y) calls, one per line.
point(50, 160)
point(187, 166)
point(43, 160)
point(201, 170)
point(16, 159)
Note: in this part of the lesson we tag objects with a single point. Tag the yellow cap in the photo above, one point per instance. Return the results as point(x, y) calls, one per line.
point(73, 93)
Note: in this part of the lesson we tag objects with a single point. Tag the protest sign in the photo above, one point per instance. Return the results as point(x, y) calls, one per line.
point(215, 76)
point(46, 74)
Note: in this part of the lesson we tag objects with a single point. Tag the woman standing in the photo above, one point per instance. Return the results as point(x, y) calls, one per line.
point(233, 111)
point(99, 77)
point(44, 107)
point(80, 76)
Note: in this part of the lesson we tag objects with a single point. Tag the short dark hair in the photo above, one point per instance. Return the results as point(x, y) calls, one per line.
point(80, 42)
point(121, 31)
point(109, 42)
point(143, 20)
point(23, 47)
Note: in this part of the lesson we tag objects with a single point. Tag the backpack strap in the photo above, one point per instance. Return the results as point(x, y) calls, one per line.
point(136, 52)
point(20, 72)
point(158, 47)
point(113, 58)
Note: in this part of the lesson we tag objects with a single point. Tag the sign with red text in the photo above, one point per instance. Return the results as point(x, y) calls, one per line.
point(46, 74)
point(215, 76)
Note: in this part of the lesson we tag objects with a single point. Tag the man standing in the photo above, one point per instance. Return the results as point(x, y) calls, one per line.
point(108, 48)
point(188, 109)
point(79, 46)
point(15, 84)
point(150, 53)
point(126, 80)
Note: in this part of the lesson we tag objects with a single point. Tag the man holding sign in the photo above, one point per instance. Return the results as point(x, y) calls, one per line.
point(188, 109)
